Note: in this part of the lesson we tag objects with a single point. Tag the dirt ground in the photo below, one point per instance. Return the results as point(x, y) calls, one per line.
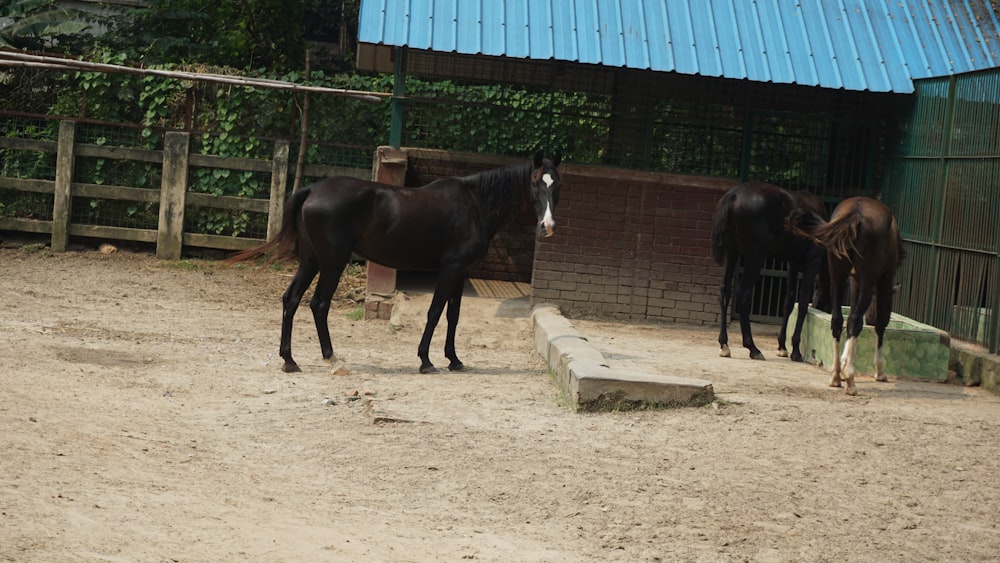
point(145, 417)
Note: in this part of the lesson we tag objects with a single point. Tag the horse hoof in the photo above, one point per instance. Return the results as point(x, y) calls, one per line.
point(756, 356)
point(428, 369)
point(796, 357)
point(291, 367)
point(881, 377)
point(852, 391)
point(782, 353)
point(724, 352)
point(456, 366)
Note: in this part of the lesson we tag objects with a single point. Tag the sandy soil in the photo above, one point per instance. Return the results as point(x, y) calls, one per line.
point(145, 418)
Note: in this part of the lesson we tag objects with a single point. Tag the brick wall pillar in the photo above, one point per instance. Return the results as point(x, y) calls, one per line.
point(390, 168)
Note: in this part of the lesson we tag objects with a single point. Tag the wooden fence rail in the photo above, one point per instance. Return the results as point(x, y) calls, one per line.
point(172, 195)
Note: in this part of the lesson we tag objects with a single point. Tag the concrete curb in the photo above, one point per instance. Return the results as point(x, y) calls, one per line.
point(591, 384)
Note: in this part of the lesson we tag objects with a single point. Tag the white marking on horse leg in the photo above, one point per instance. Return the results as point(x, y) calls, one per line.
point(835, 382)
point(724, 351)
point(548, 223)
point(850, 350)
point(880, 365)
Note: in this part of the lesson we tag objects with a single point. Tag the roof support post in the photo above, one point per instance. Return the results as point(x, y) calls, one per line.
point(398, 94)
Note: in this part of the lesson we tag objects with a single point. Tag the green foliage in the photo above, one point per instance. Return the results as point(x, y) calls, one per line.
point(98, 95)
point(32, 24)
point(15, 163)
point(242, 34)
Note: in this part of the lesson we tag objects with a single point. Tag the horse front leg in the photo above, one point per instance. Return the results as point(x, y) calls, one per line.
point(810, 274)
point(320, 305)
point(786, 313)
point(443, 294)
point(454, 310)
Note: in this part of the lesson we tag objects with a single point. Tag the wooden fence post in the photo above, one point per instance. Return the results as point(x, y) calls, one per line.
point(279, 182)
point(62, 204)
point(173, 188)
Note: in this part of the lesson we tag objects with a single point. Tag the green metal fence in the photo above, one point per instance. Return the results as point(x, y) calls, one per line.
point(944, 187)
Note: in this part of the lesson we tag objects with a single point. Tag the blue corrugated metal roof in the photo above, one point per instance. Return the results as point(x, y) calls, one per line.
point(877, 45)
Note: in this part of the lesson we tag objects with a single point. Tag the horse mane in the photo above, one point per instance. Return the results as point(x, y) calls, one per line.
point(496, 189)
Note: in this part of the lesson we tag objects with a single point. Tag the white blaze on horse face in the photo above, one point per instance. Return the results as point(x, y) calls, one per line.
point(548, 223)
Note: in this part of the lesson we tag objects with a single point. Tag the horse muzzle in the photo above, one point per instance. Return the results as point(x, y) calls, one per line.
point(547, 228)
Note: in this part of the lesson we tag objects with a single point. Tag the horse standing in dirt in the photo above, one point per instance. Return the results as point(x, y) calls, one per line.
point(862, 241)
point(750, 222)
point(445, 226)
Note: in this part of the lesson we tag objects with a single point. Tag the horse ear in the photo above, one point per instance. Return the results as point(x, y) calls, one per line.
point(538, 159)
point(557, 158)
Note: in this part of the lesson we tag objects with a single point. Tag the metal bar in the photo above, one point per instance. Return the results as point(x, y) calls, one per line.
point(944, 150)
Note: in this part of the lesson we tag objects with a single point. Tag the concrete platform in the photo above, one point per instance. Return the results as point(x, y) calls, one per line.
point(911, 349)
point(590, 384)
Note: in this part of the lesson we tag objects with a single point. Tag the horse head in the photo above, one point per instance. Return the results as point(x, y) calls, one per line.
point(545, 185)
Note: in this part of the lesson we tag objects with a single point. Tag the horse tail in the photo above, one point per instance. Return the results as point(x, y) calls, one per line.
point(721, 225)
point(284, 245)
point(804, 223)
point(840, 234)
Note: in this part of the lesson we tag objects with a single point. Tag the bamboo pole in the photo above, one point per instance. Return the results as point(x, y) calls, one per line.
point(12, 58)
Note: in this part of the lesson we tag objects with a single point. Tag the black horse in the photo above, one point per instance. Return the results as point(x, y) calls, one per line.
point(445, 226)
point(862, 241)
point(750, 222)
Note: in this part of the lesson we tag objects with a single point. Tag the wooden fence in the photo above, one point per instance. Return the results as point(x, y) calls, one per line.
point(172, 195)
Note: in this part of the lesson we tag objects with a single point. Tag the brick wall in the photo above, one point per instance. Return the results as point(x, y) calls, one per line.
point(632, 245)
point(628, 244)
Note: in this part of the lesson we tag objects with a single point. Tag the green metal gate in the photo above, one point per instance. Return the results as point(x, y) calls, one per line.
point(944, 187)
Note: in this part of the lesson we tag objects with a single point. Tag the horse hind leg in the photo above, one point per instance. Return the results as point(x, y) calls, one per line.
point(725, 292)
point(847, 360)
point(744, 295)
point(855, 323)
point(308, 268)
point(883, 308)
point(836, 322)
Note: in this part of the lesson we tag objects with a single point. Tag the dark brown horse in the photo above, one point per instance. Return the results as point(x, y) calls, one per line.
point(445, 226)
point(750, 222)
point(863, 243)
